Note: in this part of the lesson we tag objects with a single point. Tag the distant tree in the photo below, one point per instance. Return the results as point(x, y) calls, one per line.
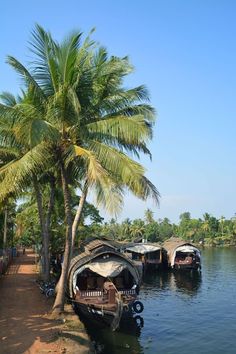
point(151, 232)
point(137, 228)
point(126, 229)
point(148, 216)
point(185, 216)
point(165, 229)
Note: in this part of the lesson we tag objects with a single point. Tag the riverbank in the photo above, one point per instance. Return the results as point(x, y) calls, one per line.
point(25, 324)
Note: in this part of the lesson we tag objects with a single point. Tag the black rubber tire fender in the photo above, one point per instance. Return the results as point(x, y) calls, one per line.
point(139, 321)
point(138, 306)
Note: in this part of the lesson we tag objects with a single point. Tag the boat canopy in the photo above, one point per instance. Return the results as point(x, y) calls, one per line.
point(174, 245)
point(184, 249)
point(187, 248)
point(107, 268)
point(143, 248)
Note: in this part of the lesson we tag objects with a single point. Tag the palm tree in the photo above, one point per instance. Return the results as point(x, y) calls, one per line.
point(222, 220)
point(148, 216)
point(16, 155)
point(137, 228)
point(86, 122)
point(126, 228)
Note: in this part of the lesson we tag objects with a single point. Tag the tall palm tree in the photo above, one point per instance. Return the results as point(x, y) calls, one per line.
point(85, 123)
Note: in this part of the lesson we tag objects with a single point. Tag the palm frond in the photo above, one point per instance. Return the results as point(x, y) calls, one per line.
point(132, 130)
point(110, 197)
point(95, 171)
point(67, 58)
point(17, 174)
point(45, 66)
point(8, 99)
point(116, 162)
point(26, 76)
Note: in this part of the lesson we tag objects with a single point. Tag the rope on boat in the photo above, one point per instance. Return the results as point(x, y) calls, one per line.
point(117, 316)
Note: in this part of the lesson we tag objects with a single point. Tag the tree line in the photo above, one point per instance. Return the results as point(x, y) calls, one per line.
point(207, 230)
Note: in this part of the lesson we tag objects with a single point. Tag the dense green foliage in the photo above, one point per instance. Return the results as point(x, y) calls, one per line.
point(208, 229)
point(28, 228)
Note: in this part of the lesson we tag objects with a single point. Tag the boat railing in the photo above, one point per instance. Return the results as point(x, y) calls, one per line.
point(91, 293)
point(100, 293)
point(128, 292)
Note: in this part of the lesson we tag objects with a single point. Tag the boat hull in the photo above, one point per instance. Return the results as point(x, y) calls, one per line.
point(187, 266)
point(99, 317)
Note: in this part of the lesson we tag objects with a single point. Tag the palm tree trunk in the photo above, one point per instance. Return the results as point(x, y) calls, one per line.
point(44, 232)
point(5, 228)
point(78, 214)
point(58, 305)
point(50, 206)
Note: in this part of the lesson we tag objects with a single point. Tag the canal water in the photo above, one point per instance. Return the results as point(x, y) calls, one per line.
point(183, 313)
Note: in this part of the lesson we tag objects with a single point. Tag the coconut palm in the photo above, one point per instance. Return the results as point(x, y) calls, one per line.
point(137, 229)
point(17, 157)
point(82, 120)
point(148, 215)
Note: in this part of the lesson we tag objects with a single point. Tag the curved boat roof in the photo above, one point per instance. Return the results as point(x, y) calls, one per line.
point(176, 244)
point(173, 243)
point(143, 248)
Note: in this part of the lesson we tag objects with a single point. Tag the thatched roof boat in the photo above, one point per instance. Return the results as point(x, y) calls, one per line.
point(149, 254)
point(182, 254)
point(103, 282)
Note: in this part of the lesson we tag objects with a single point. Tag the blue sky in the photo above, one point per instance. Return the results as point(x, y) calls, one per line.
point(184, 51)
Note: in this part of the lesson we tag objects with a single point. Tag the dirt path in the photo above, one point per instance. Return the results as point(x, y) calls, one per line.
point(24, 326)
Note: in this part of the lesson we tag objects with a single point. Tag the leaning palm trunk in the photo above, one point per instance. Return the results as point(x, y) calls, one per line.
point(78, 215)
point(5, 228)
point(61, 288)
point(50, 206)
point(44, 232)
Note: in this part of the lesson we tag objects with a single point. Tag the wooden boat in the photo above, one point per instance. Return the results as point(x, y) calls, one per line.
point(148, 254)
point(182, 255)
point(104, 283)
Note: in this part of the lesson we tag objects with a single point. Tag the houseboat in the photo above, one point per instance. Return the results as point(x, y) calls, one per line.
point(104, 283)
point(147, 254)
point(182, 255)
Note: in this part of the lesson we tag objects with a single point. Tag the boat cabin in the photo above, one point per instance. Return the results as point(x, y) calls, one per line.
point(182, 255)
point(149, 255)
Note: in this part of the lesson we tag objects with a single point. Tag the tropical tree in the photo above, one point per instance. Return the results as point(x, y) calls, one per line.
point(83, 140)
point(20, 125)
point(137, 228)
point(126, 229)
point(148, 215)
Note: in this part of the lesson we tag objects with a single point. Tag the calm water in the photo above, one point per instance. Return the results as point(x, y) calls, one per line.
point(183, 313)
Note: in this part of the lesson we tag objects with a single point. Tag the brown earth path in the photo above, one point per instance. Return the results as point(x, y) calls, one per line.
point(24, 325)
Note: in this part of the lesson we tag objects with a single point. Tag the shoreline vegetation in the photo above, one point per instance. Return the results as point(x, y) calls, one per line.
point(207, 230)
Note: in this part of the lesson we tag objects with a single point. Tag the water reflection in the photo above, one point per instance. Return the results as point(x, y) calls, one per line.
point(124, 340)
point(187, 282)
point(183, 312)
point(184, 281)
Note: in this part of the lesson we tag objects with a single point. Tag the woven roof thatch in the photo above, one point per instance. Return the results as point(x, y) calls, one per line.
point(174, 242)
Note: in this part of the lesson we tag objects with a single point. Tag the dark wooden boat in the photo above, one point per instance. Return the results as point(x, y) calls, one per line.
point(104, 283)
point(182, 255)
